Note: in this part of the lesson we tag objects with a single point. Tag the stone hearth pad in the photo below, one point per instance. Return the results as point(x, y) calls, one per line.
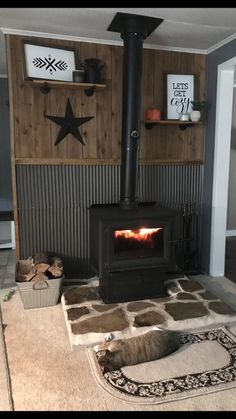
point(90, 321)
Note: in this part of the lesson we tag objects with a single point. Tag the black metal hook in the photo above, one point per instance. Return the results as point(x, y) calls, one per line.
point(149, 126)
point(90, 91)
point(45, 88)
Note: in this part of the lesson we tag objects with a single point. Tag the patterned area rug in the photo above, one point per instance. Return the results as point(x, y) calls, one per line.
point(205, 363)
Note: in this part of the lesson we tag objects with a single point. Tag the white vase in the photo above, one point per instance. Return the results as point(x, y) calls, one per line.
point(195, 116)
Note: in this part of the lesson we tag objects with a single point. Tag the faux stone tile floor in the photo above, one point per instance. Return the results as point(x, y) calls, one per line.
point(188, 304)
point(142, 312)
point(7, 268)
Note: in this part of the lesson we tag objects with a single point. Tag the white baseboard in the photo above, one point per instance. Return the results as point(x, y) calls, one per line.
point(230, 233)
point(11, 242)
point(8, 245)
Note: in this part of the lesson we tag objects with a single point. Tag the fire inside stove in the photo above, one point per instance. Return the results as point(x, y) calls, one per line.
point(141, 243)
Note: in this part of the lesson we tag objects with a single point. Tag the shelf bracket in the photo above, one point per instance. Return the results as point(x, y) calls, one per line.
point(90, 91)
point(45, 88)
point(183, 127)
point(150, 126)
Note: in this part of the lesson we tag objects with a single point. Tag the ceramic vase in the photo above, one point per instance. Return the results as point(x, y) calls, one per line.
point(195, 116)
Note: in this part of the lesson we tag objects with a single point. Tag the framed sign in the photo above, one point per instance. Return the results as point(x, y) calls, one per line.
point(179, 94)
point(48, 63)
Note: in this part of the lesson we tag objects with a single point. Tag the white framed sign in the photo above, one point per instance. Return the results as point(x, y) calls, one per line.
point(180, 93)
point(49, 63)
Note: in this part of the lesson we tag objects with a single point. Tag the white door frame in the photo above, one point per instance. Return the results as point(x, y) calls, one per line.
point(223, 123)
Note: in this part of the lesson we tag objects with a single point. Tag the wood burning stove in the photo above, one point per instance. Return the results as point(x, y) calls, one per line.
point(132, 251)
point(130, 243)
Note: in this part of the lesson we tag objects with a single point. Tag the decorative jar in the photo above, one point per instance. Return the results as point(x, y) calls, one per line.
point(184, 116)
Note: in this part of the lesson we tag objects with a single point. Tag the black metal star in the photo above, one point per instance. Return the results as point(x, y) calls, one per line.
point(69, 124)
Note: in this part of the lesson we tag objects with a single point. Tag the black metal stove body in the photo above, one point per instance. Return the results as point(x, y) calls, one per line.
point(132, 251)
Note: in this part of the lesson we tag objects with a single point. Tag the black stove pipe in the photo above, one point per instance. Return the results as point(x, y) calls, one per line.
point(131, 118)
point(133, 29)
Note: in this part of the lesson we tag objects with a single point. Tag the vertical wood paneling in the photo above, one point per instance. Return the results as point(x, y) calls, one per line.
point(159, 145)
point(147, 101)
point(43, 137)
point(102, 134)
point(14, 131)
point(116, 105)
point(14, 103)
point(89, 108)
point(25, 98)
point(58, 108)
point(75, 148)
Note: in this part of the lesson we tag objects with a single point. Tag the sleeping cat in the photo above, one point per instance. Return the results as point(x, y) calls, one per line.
point(149, 346)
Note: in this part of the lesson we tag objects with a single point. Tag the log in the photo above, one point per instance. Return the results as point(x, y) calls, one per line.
point(42, 267)
point(56, 268)
point(40, 277)
point(25, 278)
point(30, 275)
point(56, 271)
point(25, 271)
point(39, 267)
point(41, 257)
point(56, 261)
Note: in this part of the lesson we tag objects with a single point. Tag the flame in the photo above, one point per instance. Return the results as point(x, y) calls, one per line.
point(141, 234)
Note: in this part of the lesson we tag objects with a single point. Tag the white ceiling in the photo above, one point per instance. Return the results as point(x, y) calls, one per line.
point(190, 29)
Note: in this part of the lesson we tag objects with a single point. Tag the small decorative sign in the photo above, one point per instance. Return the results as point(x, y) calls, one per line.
point(49, 63)
point(180, 93)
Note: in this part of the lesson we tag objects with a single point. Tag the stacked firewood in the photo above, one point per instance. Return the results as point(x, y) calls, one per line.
point(39, 267)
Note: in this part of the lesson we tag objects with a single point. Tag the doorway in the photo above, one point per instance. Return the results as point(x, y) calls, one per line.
point(230, 249)
point(223, 123)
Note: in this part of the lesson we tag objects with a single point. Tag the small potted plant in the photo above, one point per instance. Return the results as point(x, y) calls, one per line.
point(197, 106)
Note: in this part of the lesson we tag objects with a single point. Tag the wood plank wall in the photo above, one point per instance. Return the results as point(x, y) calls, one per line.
point(34, 135)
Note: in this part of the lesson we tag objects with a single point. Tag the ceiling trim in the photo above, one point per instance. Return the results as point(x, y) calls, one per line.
point(95, 40)
point(221, 43)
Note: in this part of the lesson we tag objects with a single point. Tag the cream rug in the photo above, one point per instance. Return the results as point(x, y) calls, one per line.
point(46, 375)
point(205, 363)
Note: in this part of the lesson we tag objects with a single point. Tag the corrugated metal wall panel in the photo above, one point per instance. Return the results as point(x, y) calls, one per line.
point(171, 185)
point(54, 202)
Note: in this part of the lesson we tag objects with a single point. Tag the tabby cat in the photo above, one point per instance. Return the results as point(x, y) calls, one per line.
point(149, 346)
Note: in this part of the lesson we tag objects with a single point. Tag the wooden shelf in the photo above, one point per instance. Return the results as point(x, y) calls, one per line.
point(182, 124)
point(47, 85)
